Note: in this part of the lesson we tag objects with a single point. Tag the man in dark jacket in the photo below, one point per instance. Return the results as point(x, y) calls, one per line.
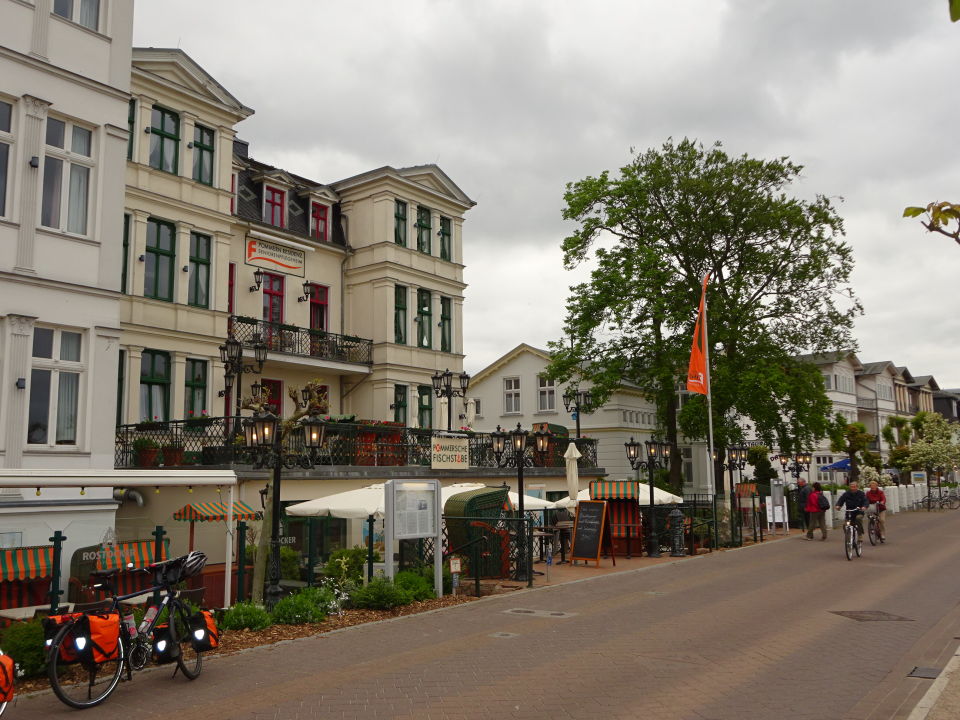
point(804, 494)
point(854, 498)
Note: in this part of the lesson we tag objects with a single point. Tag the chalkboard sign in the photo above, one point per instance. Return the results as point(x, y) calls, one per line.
point(591, 534)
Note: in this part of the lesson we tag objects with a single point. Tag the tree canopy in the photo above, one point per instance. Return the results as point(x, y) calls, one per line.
point(779, 286)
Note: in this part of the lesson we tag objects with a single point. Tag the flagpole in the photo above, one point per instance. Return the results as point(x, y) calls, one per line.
point(706, 356)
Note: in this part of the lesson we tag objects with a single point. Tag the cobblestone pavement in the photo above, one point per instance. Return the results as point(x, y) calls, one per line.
point(744, 634)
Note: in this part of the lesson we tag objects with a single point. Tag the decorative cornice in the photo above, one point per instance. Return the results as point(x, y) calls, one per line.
point(21, 324)
point(36, 107)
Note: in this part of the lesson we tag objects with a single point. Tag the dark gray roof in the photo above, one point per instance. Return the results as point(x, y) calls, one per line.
point(875, 368)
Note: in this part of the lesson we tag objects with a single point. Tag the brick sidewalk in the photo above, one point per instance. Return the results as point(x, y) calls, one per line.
point(741, 634)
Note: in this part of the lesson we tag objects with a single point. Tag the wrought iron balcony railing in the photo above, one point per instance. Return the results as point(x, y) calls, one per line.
point(218, 441)
point(295, 340)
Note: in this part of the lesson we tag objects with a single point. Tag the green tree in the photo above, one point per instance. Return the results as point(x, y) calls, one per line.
point(851, 438)
point(954, 10)
point(935, 448)
point(778, 268)
point(763, 471)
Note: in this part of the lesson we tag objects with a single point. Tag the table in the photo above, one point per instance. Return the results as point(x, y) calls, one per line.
point(26, 613)
point(562, 529)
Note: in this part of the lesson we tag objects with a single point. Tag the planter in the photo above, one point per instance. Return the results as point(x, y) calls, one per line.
point(147, 457)
point(197, 424)
point(172, 455)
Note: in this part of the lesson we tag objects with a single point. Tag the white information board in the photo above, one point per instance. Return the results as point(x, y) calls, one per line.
point(413, 509)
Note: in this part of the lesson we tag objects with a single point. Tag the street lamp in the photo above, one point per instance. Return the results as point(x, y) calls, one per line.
point(795, 464)
point(443, 387)
point(658, 455)
point(576, 401)
point(231, 354)
point(735, 459)
point(517, 457)
point(263, 437)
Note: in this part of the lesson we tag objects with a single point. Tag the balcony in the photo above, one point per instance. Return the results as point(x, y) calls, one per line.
point(215, 442)
point(293, 340)
point(866, 403)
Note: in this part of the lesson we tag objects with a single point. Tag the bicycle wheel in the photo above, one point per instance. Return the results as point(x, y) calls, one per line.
point(81, 684)
point(190, 661)
point(872, 531)
point(848, 542)
point(858, 543)
point(953, 502)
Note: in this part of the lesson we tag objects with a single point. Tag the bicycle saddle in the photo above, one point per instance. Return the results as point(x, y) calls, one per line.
point(104, 573)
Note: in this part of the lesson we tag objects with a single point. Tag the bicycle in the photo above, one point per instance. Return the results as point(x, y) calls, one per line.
point(873, 527)
point(852, 542)
point(948, 501)
point(83, 675)
point(7, 672)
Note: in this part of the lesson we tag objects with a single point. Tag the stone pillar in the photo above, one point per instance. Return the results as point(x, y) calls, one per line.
point(137, 249)
point(32, 144)
point(41, 25)
point(178, 362)
point(188, 122)
point(181, 285)
point(20, 335)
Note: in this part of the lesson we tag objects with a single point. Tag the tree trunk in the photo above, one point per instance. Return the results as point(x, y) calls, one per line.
point(676, 460)
point(263, 549)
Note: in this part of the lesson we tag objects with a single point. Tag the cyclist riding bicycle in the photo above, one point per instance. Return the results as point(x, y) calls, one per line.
point(854, 500)
point(876, 497)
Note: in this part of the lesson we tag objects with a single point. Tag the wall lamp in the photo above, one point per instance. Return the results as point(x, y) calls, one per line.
point(257, 280)
point(308, 289)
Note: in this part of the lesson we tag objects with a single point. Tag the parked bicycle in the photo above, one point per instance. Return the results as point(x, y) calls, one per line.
point(949, 501)
point(7, 674)
point(87, 652)
point(852, 542)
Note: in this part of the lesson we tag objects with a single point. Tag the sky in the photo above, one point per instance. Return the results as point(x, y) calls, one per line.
point(513, 100)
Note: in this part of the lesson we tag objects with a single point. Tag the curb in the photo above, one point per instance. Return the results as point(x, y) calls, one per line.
point(935, 690)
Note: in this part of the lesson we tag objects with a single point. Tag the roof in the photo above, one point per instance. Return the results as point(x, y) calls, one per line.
point(504, 359)
point(425, 177)
point(919, 380)
point(875, 368)
point(831, 357)
point(907, 377)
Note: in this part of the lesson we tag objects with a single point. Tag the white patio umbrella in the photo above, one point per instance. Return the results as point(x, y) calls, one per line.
point(471, 412)
point(573, 474)
point(351, 504)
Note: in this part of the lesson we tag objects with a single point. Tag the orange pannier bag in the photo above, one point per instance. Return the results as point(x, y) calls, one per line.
point(204, 635)
point(7, 673)
point(104, 633)
point(51, 626)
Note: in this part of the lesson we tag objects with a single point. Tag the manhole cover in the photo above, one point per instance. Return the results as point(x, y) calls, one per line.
point(539, 613)
point(870, 616)
point(503, 635)
point(924, 672)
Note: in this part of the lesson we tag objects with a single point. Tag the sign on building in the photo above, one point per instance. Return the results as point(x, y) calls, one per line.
point(449, 453)
point(272, 256)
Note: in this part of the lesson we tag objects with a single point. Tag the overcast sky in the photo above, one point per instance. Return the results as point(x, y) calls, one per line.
point(515, 98)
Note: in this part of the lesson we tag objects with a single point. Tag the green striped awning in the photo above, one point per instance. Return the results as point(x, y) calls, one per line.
point(138, 552)
point(614, 490)
point(26, 563)
point(214, 512)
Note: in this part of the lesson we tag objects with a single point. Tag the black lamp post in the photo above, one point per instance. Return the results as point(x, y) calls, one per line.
point(517, 440)
point(576, 401)
point(231, 354)
point(658, 455)
point(795, 464)
point(262, 435)
point(443, 387)
point(735, 459)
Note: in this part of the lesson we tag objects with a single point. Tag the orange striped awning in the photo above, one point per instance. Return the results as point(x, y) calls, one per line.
point(138, 552)
point(214, 512)
point(614, 490)
point(26, 563)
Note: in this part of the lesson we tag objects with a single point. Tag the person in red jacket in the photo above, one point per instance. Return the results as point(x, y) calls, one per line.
point(876, 496)
point(817, 516)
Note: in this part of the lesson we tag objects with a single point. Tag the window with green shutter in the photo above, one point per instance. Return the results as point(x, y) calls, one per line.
point(400, 314)
point(195, 389)
point(446, 324)
point(159, 260)
point(400, 223)
point(423, 229)
point(446, 236)
point(155, 386)
point(424, 319)
point(198, 293)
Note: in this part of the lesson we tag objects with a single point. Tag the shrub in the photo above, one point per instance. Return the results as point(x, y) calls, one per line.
point(380, 594)
point(23, 641)
point(427, 572)
point(298, 609)
point(415, 584)
point(246, 616)
point(323, 597)
point(348, 564)
point(289, 563)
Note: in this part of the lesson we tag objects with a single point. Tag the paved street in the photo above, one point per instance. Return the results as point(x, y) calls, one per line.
point(750, 633)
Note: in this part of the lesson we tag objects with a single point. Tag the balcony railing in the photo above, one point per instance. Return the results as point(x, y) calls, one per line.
point(217, 442)
point(295, 340)
point(867, 403)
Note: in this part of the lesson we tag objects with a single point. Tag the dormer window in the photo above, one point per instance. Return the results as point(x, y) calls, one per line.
point(318, 222)
point(274, 206)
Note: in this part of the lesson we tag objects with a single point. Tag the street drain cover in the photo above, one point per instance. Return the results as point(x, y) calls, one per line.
point(539, 613)
point(924, 672)
point(870, 616)
point(503, 635)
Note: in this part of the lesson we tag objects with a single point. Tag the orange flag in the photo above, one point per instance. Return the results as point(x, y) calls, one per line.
point(697, 381)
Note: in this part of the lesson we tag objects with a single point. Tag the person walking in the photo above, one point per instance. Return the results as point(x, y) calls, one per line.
point(876, 496)
point(805, 491)
point(816, 509)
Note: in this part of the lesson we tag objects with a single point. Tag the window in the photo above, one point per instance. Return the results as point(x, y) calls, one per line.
point(198, 293)
point(126, 253)
point(423, 229)
point(203, 154)
point(400, 404)
point(160, 257)
point(318, 222)
point(318, 307)
point(884, 391)
point(445, 237)
point(233, 193)
point(164, 140)
point(275, 403)
point(446, 324)
point(82, 12)
point(546, 394)
point(424, 319)
point(400, 223)
point(273, 206)
point(67, 155)
point(195, 388)
point(511, 395)
point(154, 386)
point(6, 138)
point(425, 406)
point(54, 387)
point(273, 298)
point(400, 314)
point(477, 407)
point(121, 375)
point(131, 126)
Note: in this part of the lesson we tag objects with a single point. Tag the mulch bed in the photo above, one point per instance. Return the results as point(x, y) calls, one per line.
point(233, 641)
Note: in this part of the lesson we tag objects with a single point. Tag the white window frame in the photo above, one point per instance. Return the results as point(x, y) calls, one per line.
point(546, 390)
point(7, 138)
point(75, 6)
point(56, 366)
point(477, 408)
point(511, 395)
point(69, 159)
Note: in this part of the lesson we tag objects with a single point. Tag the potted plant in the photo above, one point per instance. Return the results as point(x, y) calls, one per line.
point(197, 421)
point(155, 424)
point(173, 452)
point(145, 450)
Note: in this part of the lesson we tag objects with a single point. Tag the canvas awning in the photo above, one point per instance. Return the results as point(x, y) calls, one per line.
point(614, 490)
point(138, 552)
point(26, 563)
point(214, 512)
